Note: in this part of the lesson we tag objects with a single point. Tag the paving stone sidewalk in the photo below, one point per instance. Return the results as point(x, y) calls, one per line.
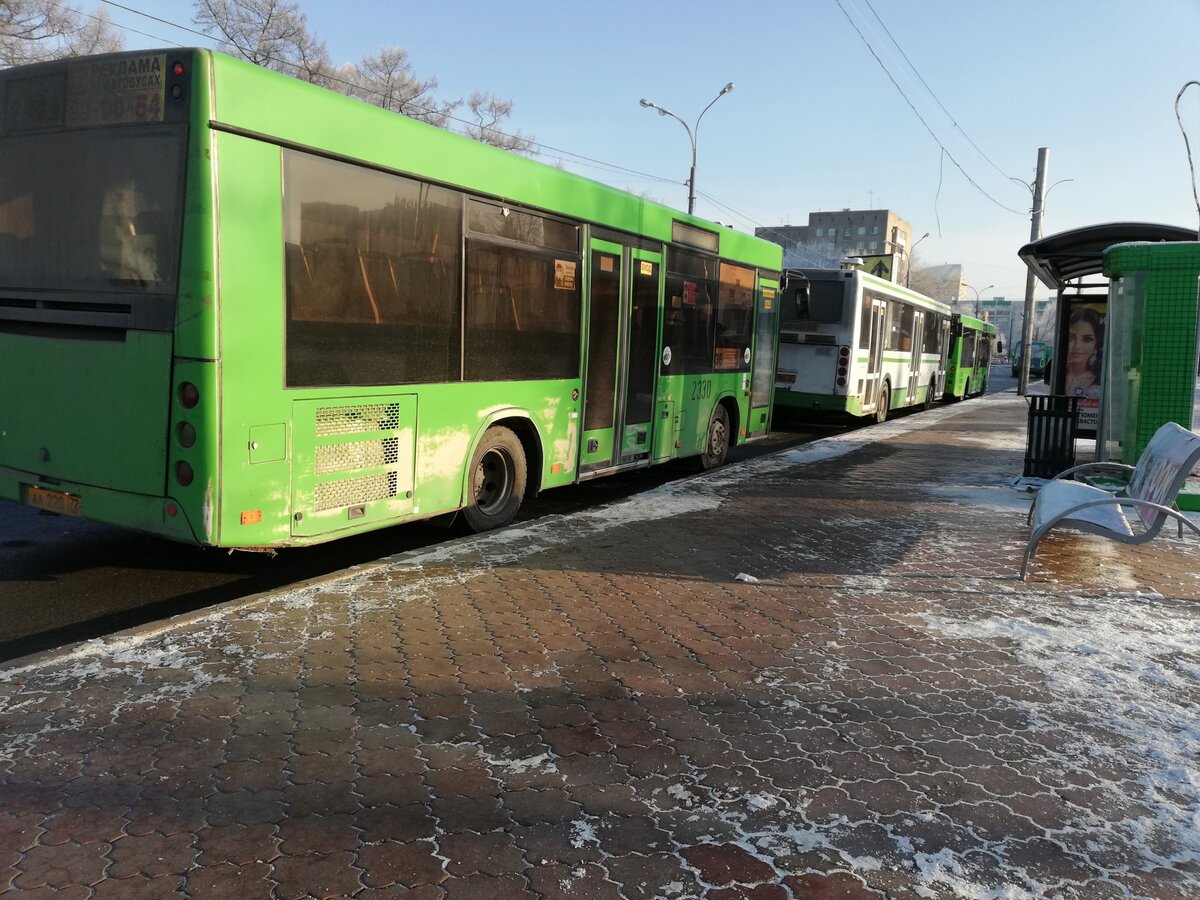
point(595, 706)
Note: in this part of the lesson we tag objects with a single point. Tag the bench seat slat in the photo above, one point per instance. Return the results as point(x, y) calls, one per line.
point(1059, 496)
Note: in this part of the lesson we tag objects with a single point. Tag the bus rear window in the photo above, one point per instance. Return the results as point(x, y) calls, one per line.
point(810, 302)
point(91, 210)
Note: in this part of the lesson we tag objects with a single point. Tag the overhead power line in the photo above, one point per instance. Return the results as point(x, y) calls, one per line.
point(921, 118)
point(920, 78)
point(63, 6)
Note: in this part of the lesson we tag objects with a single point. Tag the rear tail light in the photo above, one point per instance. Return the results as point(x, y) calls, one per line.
point(184, 474)
point(843, 365)
point(189, 395)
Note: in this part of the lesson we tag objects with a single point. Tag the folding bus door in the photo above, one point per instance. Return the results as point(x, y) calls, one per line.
point(605, 287)
point(762, 382)
point(622, 354)
point(914, 363)
point(878, 315)
point(943, 355)
point(641, 370)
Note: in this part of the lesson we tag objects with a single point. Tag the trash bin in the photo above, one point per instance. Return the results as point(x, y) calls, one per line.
point(1050, 444)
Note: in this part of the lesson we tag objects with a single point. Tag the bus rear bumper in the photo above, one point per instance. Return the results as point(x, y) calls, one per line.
point(801, 401)
point(119, 508)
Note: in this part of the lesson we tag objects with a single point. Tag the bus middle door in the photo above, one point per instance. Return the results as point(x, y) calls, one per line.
point(943, 356)
point(641, 369)
point(603, 354)
point(878, 313)
point(622, 357)
point(914, 364)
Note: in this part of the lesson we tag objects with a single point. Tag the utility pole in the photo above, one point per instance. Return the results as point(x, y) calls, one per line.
point(1035, 232)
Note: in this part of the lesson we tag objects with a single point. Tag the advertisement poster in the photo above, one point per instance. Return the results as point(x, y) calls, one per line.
point(1085, 357)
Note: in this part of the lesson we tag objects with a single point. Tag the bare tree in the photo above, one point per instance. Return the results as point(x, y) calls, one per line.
point(387, 80)
point(939, 282)
point(35, 30)
point(489, 111)
point(273, 34)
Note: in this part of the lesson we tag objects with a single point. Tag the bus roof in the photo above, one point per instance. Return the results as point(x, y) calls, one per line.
point(977, 324)
point(882, 285)
point(255, 101)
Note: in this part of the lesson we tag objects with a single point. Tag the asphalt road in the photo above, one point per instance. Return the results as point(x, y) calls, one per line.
point(64, 580)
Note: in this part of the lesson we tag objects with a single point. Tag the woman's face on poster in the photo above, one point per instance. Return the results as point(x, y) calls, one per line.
point(1082, 344)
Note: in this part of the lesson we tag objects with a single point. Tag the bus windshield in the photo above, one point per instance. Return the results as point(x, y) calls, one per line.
point(91, 210)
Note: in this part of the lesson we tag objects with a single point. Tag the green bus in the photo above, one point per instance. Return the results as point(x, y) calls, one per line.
point(969, 364)
point(239, 310)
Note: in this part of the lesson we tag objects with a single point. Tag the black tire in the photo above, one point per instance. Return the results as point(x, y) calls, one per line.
point(882, 403)
point(928, 404)
point(716, 446)
point(496, 480)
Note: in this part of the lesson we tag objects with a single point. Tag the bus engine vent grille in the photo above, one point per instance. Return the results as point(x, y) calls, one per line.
point(358, 455)
point(358, 419)
point(355, 491)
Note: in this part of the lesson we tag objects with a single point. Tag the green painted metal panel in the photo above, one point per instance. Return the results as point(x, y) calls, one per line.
point(93, 412)
point(1151, 341)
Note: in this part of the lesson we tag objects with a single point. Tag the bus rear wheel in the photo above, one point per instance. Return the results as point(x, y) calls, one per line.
point(882, 404)
point(498, 476)
point(928, 404)
point(716, 447)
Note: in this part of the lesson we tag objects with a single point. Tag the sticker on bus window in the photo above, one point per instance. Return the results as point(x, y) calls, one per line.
point(606, 264)
point(726, 359)
point(116, 90)
point(646, 268)
point(564, 275)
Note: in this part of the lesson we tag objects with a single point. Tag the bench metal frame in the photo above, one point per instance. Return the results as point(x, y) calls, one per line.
point(1147, 478)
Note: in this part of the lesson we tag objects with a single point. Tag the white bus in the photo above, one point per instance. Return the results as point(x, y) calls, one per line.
point(856, 344)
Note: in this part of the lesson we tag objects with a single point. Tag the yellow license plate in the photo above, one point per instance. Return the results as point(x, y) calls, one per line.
point(54, 501)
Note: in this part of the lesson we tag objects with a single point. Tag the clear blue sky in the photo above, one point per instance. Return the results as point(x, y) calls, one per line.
point(814, 122)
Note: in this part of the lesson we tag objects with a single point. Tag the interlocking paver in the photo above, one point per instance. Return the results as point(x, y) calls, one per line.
point(606, 713)
point(324, 874)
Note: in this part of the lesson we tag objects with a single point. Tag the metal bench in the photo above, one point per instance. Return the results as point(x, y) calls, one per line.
point(1150, 492)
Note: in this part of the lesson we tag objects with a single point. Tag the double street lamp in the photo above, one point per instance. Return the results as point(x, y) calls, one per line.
point(691, 133)
point(977, 293)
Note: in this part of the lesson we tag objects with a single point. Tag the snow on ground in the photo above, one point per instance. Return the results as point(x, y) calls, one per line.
point(1132, 662)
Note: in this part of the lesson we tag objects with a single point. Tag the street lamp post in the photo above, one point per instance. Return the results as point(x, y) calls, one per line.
point(908, 264)
point(692, 131)
point(977, 293)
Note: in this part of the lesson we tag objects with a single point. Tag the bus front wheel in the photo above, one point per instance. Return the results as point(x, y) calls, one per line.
point(716, 447)
point(498, 478)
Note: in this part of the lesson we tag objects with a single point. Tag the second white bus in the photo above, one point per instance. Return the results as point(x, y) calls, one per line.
point(855, 344)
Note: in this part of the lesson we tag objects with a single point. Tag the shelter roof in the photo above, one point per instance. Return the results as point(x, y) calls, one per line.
point(1068, 255)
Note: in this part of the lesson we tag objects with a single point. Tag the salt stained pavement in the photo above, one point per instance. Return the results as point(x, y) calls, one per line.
point(885, 711)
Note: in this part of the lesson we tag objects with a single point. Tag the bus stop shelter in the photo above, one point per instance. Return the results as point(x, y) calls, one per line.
point(1071, 263)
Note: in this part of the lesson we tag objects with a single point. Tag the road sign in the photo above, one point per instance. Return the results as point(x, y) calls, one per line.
point(881, 266)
